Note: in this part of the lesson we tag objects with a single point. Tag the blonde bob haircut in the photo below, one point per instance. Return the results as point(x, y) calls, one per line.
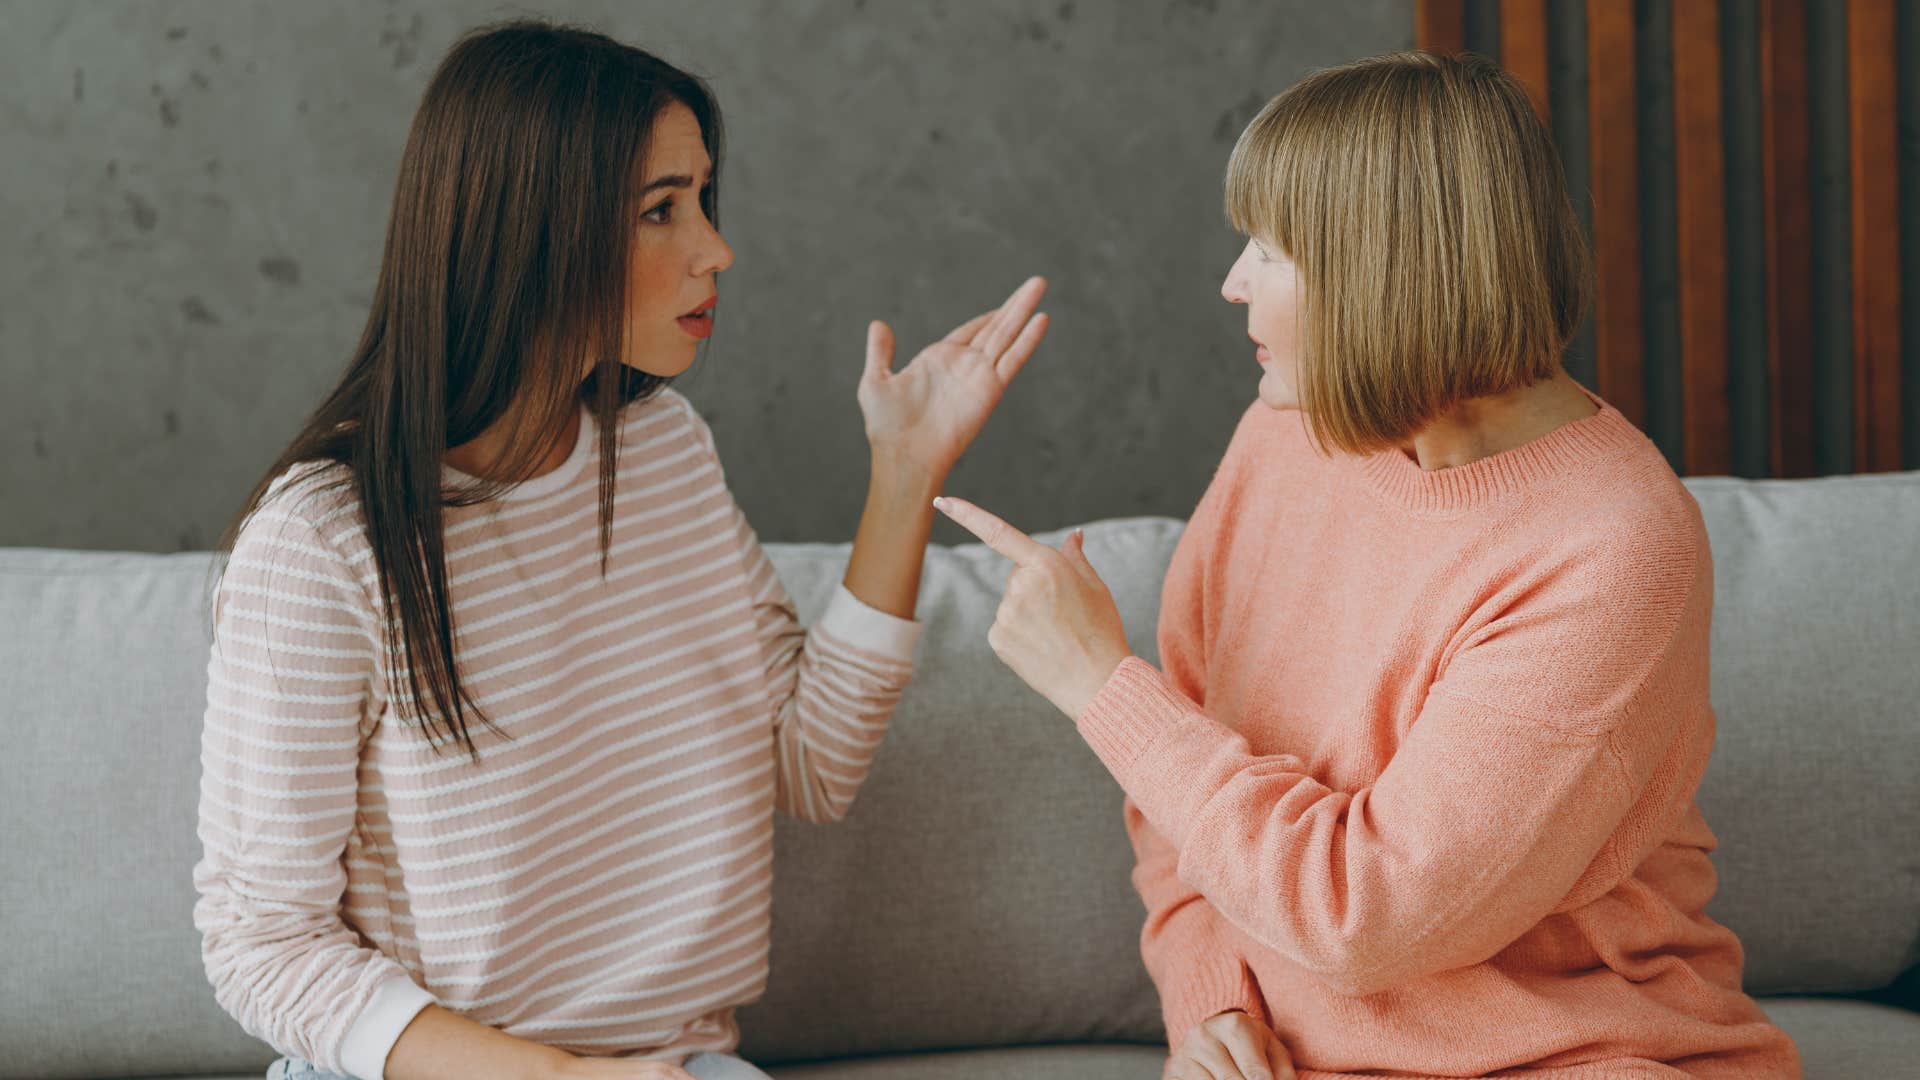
point(1421, 200)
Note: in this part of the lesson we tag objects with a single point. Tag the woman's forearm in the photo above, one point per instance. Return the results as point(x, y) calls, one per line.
point(891, 543)
point(443, 1045)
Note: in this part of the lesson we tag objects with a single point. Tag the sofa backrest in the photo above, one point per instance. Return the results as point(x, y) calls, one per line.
point(1814, 785)
point(978, 893)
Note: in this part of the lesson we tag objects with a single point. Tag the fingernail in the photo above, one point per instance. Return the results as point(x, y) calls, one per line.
point(940, 503)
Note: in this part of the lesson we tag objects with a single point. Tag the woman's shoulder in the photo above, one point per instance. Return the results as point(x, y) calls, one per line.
point(1619, 547)
point(1629, 504)
point(312, 507)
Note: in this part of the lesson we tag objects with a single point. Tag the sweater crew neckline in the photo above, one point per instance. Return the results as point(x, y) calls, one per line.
point(546, 483)
point(1400, 480)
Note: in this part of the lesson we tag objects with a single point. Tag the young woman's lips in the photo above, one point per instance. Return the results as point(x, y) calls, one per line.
point(1261, 355)
point(700, 323)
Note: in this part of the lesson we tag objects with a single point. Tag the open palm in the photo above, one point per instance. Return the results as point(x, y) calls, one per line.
point(929, 412)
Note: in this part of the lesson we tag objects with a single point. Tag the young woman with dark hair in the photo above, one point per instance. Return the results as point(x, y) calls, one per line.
point(503, 690)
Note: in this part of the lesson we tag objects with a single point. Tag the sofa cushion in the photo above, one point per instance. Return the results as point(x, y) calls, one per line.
point(1840, 1039)
point(1812, 787)
point(1108, 1062)
point(978, 894)
point(103, 658)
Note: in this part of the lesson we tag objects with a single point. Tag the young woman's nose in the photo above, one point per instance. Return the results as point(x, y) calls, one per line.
point(715, 256)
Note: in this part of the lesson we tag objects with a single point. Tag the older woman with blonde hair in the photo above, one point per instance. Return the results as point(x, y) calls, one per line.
point(1412, 792)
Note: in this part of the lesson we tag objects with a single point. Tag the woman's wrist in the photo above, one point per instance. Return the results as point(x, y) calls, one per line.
point(555, 1065)
point(896, 477)
point(883, 570)
point(443, 1043)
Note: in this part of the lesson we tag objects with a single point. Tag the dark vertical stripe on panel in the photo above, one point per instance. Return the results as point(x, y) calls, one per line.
point(1615, 178)
point(1908, 162)
point(1700, 237)
point(1483, 28)
point(1659, 257)
point(1746, 241)
point(1567, 78)
point(1830, 240)
point(1875, 208)
point(1787, 219)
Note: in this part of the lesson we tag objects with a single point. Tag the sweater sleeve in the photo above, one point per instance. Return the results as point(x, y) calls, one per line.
point(1185, 943)
point(1537, 737)
point(831, 688)
point(289, 684)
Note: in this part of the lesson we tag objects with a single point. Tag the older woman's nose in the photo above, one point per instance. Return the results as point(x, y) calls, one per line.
point(1231, 290)
point(1234, 289)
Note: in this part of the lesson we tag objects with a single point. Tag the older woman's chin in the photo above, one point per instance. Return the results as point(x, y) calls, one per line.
point(1276, 394)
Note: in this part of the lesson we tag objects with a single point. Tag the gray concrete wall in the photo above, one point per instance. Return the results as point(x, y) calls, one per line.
point(196, 193)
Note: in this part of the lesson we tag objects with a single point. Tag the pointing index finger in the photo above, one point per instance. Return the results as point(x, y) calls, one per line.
point(1024, 550)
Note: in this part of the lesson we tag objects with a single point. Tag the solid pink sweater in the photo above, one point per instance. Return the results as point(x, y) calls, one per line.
point(601, 880)
point(1417, 784)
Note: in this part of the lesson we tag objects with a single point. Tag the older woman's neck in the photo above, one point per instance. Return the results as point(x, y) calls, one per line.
point(1490, 425)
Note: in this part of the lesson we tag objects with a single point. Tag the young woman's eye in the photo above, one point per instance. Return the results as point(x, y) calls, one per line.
point(662, 212)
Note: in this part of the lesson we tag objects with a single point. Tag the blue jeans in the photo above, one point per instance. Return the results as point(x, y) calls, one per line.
point(704, 1066)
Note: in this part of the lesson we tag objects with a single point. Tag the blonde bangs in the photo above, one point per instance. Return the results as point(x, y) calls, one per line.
point(1254, 176)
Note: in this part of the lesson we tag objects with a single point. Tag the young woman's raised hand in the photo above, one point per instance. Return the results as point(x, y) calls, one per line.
point(1057, 627)
point(926, 414)
point(1230, 1046)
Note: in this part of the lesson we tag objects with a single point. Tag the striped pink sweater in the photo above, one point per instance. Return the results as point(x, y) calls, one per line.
point(600, 881)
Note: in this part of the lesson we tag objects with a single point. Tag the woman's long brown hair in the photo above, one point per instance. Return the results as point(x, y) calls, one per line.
point(504, 277)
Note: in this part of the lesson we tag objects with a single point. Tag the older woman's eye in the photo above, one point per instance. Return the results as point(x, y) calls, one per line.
point(660, 213)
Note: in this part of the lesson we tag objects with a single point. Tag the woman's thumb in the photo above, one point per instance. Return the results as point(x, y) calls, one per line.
point(879, 349)
point(1279, 1059)
point(1076, 547)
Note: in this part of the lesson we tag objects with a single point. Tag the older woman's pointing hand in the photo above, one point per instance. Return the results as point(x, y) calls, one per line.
point(1057, 626)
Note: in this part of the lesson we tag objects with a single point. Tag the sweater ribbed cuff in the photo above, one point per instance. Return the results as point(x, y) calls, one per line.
point(1208, 990)
point(363, 1053)
point(1134, 707)
point(866, 627)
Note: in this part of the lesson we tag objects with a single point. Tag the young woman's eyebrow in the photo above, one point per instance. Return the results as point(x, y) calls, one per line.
point(677, 180)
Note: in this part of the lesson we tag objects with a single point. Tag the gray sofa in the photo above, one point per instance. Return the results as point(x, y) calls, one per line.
point(973, 917)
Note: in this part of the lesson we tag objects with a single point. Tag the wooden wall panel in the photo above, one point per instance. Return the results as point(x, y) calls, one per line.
point(1701, 222)
point(1523, 49)
point(1440, 26)
point(1800, 424)
point(1875, 207)
point(1787, 220)
point(1615, 167)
